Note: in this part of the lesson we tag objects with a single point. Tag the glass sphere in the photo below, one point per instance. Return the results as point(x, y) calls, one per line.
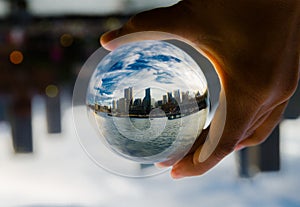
point(149, 101)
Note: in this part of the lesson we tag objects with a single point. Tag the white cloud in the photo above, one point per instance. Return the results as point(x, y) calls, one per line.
point(46, 7)
point(92, 7)
point(60, 174)
point(166, 75)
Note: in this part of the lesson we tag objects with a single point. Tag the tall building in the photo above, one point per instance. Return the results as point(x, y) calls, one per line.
point(147, 100)
point(128, 98)
point(128, 94)
point(165, 99)
point(121, 105)
point(159, 103)
point(177, 95)
point(148, 92)
point(170, 97)
point(137, 102)
point(114, 105)
point(137, 107)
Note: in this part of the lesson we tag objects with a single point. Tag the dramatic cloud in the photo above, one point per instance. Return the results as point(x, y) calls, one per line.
point(154, 64)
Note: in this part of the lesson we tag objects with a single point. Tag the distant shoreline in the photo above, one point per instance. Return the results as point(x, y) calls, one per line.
point(147, 116)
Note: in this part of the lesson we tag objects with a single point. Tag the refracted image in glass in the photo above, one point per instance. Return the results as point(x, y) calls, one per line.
point(149, 100)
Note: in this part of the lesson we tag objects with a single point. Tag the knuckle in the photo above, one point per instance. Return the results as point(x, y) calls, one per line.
point(289, 89)
point(284, 89)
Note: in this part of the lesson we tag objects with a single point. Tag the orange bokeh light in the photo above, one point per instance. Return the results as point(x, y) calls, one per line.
point(16, 57)
point(66, 40)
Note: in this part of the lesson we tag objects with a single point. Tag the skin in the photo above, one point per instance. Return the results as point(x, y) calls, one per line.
point(254, 46)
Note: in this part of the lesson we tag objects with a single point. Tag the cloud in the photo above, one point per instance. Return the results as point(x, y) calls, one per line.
point(129, 66)
point(60, 174)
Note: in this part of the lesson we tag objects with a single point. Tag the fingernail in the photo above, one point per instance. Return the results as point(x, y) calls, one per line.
point(176, 175)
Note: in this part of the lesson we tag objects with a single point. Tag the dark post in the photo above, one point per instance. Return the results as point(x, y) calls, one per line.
point(53, 114)
point(21, 124)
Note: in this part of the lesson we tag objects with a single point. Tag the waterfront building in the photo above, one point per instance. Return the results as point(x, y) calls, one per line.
point(114, 105)
point(165, 99)
point(128, 94)
point(147, 101)
point(121, 105)
point(177, 95)
point(170, 97)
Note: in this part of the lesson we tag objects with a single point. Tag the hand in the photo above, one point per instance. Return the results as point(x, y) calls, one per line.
point(254, 46)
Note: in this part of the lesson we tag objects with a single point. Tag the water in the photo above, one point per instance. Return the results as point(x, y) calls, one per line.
point(150, 140)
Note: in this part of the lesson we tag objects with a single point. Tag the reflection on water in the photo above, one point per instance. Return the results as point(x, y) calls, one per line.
point(150, 140)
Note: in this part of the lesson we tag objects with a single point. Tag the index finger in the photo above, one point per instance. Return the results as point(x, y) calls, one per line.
point(136, 36)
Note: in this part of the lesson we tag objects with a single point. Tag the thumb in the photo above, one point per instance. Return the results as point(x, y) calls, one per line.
point(216, 129)
point(169, 19)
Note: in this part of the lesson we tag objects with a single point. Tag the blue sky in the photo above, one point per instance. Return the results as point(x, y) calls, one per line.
point(146, 64)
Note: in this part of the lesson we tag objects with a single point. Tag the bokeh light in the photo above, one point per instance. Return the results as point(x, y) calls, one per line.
point(51, 91)
point(66, 40)
point(16, 57)
point(112, 23)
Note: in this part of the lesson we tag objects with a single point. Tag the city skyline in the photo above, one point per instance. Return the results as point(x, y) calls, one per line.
point(171, 96)
point(173, 103)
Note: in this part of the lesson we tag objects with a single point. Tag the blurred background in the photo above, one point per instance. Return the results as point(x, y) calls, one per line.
point(43, 44)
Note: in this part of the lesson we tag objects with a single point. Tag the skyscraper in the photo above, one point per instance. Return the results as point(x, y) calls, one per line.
point(121, 105)
point(170, 97)
point(137, 102)
point(165, 99)
point(128, 98)
point(128, 94)
point(113, 105)
point(147, 100)
point(177, 95)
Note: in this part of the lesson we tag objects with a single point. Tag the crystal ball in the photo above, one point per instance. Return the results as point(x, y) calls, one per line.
point(149, 100)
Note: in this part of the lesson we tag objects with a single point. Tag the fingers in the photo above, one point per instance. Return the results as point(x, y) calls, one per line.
point(170, 19)
point(216, 129)
point(227, 128)
point(190, 166)
point(221, 143)
point(139, 36)
point(264, 130)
